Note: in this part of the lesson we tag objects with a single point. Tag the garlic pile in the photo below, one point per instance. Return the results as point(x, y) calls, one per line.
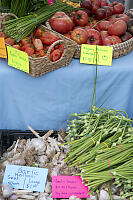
point(44, 152)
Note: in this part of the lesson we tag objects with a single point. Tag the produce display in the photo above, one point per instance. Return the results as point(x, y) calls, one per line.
point(96, 22)
point(22, 27)
point(98, 145)
point(37, 44)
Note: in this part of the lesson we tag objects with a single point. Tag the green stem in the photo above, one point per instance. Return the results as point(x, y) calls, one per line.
point(110, 191)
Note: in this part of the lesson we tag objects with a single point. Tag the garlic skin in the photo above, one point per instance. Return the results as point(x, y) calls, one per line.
point(43, 196)
point(39, 145)
point(73, 198)
point(115, 197)
point(48, 188)
point(13, 197)
point(104, 195)
point(42, 160)
point(7, 191)
point(18, 162)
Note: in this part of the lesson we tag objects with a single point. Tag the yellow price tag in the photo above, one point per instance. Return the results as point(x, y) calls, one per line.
point(3, 53)
point(18, 59)
point(92, 54)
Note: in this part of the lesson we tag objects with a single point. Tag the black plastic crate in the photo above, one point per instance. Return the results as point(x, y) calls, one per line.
point(7, 137)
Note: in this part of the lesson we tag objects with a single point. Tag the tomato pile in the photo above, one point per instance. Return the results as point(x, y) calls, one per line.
point(37, 44)
point(97, 23)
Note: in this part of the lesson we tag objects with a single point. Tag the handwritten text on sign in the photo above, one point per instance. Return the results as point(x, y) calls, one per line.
point(27, 178)
point(18, 59)
point(92, 54)
point(66, 186)
point(3, 53)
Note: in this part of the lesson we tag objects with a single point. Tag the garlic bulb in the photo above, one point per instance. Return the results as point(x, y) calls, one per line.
point(42, 159)
point(39, 145)
point(7, 191)
point(18, 162)
point(104, 195)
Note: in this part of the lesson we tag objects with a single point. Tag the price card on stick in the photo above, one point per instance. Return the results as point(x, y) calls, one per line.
point(3, 53)
point(66, 186)
point(18, 59)
point(92, 54)
point(27, 178)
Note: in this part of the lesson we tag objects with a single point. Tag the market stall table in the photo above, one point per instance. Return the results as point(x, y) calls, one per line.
point(46, 102)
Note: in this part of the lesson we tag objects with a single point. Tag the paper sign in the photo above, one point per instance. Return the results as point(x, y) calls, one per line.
point(27, 178)
point(3, 53)
point(18, 59)
point(66, 186)
point(89, 52)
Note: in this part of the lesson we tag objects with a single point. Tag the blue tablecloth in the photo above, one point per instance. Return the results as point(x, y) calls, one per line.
point(46, 102)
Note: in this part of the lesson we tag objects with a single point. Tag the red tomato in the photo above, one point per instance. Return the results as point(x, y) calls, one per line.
point(48, 38)
point(103, 25)
point(30, 51)
point(38, 44)
point(81, 18)
point(25, 41)
point(38, 32)
point(87, 27)
point(41, 53)
point(103, 3)
point(10, 41)
point(61, 47)
point(83, 27)
point(86, 4)
point(117, 17)
point(79, 35)
point(95, 5)
point(118, 8)
point(55, 55)
point(111, 40)
point(25, 46)
point(100, 13)
point(104, 34)
point(61, 23)
point(93, 37)
point(67, 35)
point(118, 28)
point(16, 46)
point(2, 34)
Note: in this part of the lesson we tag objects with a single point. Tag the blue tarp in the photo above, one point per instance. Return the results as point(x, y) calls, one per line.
point(46, 102)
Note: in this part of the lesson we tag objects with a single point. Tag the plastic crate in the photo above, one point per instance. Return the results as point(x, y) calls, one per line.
point(7, 137)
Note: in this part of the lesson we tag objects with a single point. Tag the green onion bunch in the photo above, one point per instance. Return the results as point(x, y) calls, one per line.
point(90, 133)
point(22, 27)
point(95, 179)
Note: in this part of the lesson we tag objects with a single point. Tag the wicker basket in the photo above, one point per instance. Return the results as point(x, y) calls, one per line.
point(118, 49)
point(42, 65)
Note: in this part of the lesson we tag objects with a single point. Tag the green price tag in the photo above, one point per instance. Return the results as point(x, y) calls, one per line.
point(92, 54)
point(18, 59)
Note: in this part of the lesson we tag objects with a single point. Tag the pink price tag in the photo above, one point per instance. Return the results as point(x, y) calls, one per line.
point(66, 186)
